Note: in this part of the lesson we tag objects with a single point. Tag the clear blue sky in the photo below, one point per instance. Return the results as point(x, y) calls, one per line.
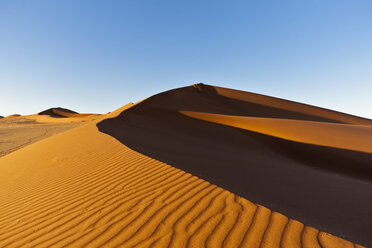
point(95, 56)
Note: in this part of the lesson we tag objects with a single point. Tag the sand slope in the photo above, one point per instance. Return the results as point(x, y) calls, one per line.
point(19, 131)
point(90, 190)
point(57, 112)
point(63, 113)
point(344, 136)
point(84, 188)
point(309, 176)
point(16, 136)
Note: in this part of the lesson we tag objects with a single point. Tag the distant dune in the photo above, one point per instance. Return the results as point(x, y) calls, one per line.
point(13, 115)
point(62, 113)
point(19, 131)
point(199, 166)
point(54, 112)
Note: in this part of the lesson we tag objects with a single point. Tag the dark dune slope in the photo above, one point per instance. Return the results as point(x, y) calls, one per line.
point(324, 187)
point(53, 112)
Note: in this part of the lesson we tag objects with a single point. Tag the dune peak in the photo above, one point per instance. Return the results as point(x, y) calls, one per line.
point(190, 167)
point(54, 111)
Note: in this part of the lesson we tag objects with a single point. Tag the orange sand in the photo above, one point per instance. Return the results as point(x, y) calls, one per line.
point(345, 136)
point(83, 188)
point(19, 131)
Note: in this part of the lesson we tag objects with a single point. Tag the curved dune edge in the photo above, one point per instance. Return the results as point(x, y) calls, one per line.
point(84, 188)
point(315, 184)
point(59, 112)
point(283, 104)
point(345, 136)
point(64, 117)
point(67, 114)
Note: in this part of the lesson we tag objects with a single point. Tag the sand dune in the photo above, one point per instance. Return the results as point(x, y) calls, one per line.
point(345, 136)
point(62, 112)
point(13, 115)
point(264, 106)
point(87, 188)
point(55, 112)
point(97, 194)
point(315, 184)
point(19, 131)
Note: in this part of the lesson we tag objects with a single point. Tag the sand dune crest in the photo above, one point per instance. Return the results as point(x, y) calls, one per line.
point(345, 136)
point(86, 188)
point(313, 177)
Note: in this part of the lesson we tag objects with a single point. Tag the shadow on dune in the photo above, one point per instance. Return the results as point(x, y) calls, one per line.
point(324, 187)
point(53, 112)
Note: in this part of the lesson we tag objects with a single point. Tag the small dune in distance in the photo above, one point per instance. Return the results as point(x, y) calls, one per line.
point(197, 166)
point(18, 131)
point(63, 113)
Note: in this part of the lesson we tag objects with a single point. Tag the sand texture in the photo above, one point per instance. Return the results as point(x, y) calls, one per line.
point(116, 182)
point(19, 131)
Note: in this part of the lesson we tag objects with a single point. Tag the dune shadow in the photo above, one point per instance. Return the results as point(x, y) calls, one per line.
point(53, 112)
point(327, 188)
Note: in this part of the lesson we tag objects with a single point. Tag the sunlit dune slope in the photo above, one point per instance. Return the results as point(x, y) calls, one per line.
point(321, 181)
point(83, 188)
point(345, 136)
point(16, 136)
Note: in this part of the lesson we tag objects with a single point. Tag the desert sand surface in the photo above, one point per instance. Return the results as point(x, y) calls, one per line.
point(344, 136)
point(19, 131)
point(315, 183)
point(147, 175)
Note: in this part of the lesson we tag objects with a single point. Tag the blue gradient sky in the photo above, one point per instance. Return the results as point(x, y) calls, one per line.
point(95, 56)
